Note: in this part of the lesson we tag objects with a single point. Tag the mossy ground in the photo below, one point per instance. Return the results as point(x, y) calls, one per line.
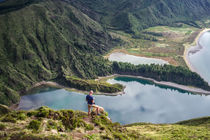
point(45, 123)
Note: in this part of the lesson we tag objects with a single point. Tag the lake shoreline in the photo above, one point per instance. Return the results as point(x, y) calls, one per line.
point(56, 85)
point(167, 59)
point(170, 84)
point(193, 49)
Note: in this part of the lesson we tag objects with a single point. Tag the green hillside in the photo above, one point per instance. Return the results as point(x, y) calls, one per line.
point(51, 39)
point(47, 124)
point(135, 15)
point(45, 40)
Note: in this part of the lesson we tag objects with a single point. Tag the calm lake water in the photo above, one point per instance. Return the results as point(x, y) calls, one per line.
point(143, 101)
point(200, 61)
point(136, 60)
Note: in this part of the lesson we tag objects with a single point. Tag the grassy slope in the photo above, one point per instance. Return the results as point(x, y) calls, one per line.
point(190, 129)
point(45, 40)
point(45, 123)
point(135, 15)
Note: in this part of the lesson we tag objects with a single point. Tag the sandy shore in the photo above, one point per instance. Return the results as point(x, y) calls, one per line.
point(170, 84)
point(168, 59)
point(193, 48)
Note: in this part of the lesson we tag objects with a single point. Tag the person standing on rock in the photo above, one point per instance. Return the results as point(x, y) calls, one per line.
point(91, 103)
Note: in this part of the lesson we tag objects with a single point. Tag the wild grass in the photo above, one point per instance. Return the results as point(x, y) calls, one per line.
point(69, 124)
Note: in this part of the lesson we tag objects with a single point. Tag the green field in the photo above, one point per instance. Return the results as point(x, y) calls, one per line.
point(193, 129)
point(160, 42)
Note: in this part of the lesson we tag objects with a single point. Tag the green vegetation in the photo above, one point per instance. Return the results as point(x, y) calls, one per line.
point(49, 39)
point(51, 124)
point(69, 124)
point(163, 42)
point(169, 73)
point(2, 126)
point(191, 129)
point(56, 40)
point(89, 127)
point(88, 85)
point(4, 109)
point(34, 125)
point(45, 40)
point(11, 5)
point(9, 118)
point(21, 116)
point(136, 15)
point(60, 124)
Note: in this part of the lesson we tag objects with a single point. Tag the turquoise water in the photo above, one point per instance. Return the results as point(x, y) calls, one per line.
point(143, 101)
point(136, 60)
point(200, 60)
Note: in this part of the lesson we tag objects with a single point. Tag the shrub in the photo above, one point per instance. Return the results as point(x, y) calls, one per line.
point(2, 126)
point(9, 118)
point(4, 110)
point(118, 136)
point(87, 85)
point(32, 113)
point(51, 125)
point(43, 112)
point(21, 116)
point(89, 127)
point(35, 125)
point(69, 120)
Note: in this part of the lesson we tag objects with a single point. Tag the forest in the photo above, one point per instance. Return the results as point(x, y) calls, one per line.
point(170, 73)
